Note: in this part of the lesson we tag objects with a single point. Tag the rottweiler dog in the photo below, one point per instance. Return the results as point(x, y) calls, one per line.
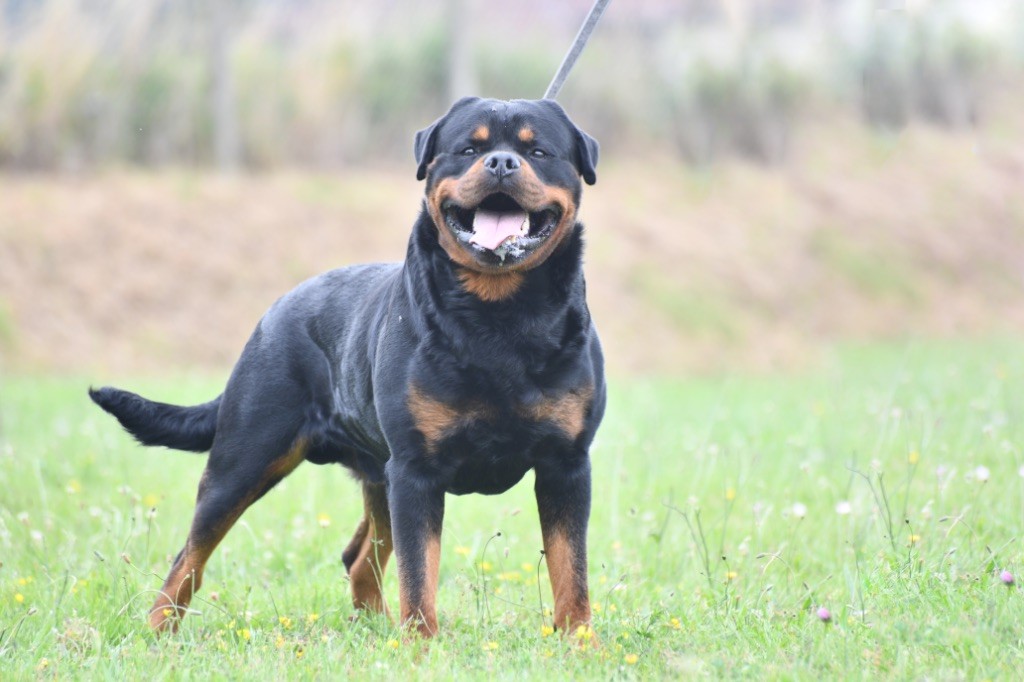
point(456, 371)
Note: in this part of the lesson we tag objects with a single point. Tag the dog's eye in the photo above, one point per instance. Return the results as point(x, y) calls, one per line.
point(538, 153)
point(468, 151)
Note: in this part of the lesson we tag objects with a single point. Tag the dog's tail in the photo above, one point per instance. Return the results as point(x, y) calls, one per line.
point(153, 423)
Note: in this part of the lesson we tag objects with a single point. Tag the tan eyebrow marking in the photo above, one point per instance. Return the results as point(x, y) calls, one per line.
point(526, 134)
point(481, 134)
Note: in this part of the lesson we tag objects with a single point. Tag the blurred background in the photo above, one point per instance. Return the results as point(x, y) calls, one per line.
point(776, 176)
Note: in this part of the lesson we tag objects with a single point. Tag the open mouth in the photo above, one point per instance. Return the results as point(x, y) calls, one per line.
point(499, 225)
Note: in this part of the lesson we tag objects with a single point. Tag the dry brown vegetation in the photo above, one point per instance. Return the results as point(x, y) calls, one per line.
point(858, 237)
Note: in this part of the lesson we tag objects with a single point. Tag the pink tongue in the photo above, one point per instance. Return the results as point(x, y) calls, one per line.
point(490, 229)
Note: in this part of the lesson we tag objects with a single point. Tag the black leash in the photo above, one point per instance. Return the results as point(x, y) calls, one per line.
point(577, 47)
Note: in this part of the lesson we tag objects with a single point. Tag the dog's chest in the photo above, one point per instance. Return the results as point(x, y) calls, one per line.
point(485, 447)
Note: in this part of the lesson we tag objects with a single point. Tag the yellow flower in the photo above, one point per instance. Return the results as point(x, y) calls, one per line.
point(631, 659)
point(676, 624)
point(546, 631)
point(324, 520)
point(510, 576)
point(44, 663)
point(393, 643)
point(528, 567)
point(490, 646)
point(22, 581)
point(150, 501)
point(244, 633)
point(312, 618)
point(279, 642)
point(299, 653)
point(731, 575)
point(285, 622)
point(914, 457)
point(19, 597)
point(463, 551)
point(167, 613)
point(73, 487)
point(485, 566)
point(597, 607)
point(584, 632)
point(730, 494)
point(914, 539)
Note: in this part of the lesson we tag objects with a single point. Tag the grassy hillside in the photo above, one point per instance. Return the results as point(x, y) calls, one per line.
point(858, 237)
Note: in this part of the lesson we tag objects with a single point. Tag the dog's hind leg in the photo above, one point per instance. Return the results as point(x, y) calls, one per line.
point(235, 477)
point(367, 554)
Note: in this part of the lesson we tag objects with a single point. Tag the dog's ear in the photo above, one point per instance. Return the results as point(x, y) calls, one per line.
point(425, 142)
point(423, 147)
point(587, 147)
point(587, 150)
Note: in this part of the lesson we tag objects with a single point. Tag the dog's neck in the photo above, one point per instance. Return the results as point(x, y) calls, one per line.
point(537, 330)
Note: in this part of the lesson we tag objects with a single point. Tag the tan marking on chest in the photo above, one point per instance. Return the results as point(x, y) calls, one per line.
point(436, 419)
point(567, 411)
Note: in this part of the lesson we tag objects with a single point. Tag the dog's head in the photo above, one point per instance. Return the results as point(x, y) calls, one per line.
point(503, 180)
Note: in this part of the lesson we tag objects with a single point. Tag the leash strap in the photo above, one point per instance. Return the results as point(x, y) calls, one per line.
point(577, 47)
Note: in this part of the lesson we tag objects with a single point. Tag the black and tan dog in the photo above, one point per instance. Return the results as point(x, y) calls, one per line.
point(456, 371)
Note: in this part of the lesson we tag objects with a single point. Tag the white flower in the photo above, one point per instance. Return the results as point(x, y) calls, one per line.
point(843, 508)
point(981, 473)
point(799, 510)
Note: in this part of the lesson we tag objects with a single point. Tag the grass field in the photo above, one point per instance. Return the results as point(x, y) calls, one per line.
point(885, 486)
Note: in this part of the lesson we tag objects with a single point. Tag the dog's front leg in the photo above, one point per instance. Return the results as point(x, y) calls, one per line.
point(417, 511)
point(563, 500)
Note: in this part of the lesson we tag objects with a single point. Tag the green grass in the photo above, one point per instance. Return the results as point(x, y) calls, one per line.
point(702, 558)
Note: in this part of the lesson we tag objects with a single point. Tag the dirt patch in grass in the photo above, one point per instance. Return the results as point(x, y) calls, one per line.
point(858, 237)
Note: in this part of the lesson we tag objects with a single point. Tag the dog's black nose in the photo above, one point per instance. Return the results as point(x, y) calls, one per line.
point(502, 164)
